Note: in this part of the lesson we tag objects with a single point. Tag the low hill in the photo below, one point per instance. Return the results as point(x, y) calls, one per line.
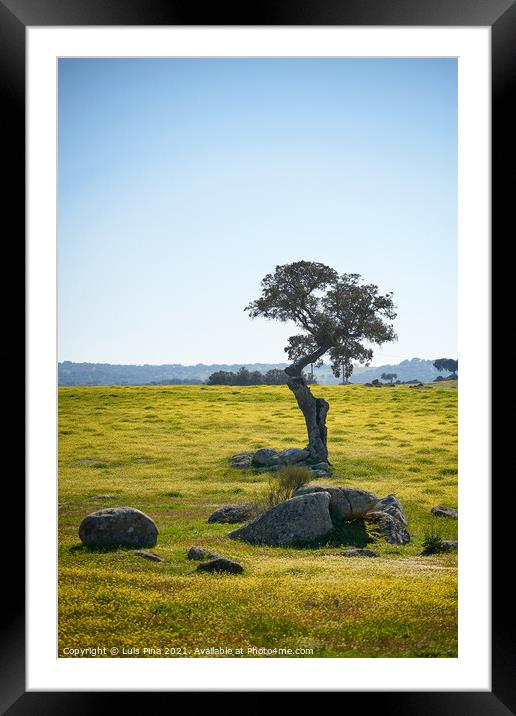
point(70, 373)
point(413, 369)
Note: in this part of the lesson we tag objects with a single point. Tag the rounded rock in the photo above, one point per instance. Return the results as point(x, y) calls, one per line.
point(265, 457)
point(221, 564)
point(199, 553)
point(118, 526)
point(443, 511)
point(231, 514)
point(242, 460)
point(292, 455)
point(300, 520)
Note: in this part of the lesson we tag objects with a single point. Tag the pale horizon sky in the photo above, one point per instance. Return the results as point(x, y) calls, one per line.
point(182, 182)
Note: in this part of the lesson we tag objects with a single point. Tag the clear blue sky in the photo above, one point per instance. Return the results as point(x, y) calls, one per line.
point(183, 182)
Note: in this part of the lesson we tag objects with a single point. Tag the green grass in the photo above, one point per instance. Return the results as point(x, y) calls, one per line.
point(165, 449)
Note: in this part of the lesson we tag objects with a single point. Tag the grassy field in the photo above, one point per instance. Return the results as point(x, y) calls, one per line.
point(165, 450)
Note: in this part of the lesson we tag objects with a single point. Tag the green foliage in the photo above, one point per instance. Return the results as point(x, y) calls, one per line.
point(391, 377)
point(283, 483)
point(338, 314)
point(241, 377)
point(432, 542)
point(447, 364)
point(275, 376)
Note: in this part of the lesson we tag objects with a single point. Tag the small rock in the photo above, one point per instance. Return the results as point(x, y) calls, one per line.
point(359, 552)
point(232, 514)
point(320, 473)
point(443, 511)
point(265, 457)
point(221, 565)
point(293, 455)
point(390, 529)
point(148, 555)
point(449, 544)
point(242, 460)
point(199, 553)
point(103, 497)
point(300, 520)
point(86, 461)
point(118, 526)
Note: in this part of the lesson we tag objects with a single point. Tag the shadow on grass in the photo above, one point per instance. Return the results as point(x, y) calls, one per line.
point(344, 534)
point(85, 549)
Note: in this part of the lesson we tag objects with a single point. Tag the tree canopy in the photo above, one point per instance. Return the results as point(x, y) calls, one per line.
point(338, 314)
point(448, 364)
point(391, 377)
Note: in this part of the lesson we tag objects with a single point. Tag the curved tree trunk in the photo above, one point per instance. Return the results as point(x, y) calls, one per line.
point(314, 409)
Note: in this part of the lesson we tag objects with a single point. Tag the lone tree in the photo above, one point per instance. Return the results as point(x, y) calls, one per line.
point(337, 315)
point(447, 364)
point(391, 377)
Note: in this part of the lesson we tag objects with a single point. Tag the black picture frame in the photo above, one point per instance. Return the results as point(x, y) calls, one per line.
point(15, 16)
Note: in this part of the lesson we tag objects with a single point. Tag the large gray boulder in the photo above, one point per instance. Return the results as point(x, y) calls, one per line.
point(338, 504)
point(346, 503)
point(232, 514)
point(350, 503)
point(388, 528)
point(265, 457)
point(392, 506)
point(299, 520)
point(293, 455)
point(118, 526)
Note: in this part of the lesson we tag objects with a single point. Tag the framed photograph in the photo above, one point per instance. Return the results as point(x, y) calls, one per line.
point(258, 296)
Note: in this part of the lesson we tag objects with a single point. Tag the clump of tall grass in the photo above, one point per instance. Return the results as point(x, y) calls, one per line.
point(432, 543)
point(281, 486)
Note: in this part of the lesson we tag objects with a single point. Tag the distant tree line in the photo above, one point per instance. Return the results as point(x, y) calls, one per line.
point(176, 381)
point(71, 373)
point(275, 376)
point(391, 377)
